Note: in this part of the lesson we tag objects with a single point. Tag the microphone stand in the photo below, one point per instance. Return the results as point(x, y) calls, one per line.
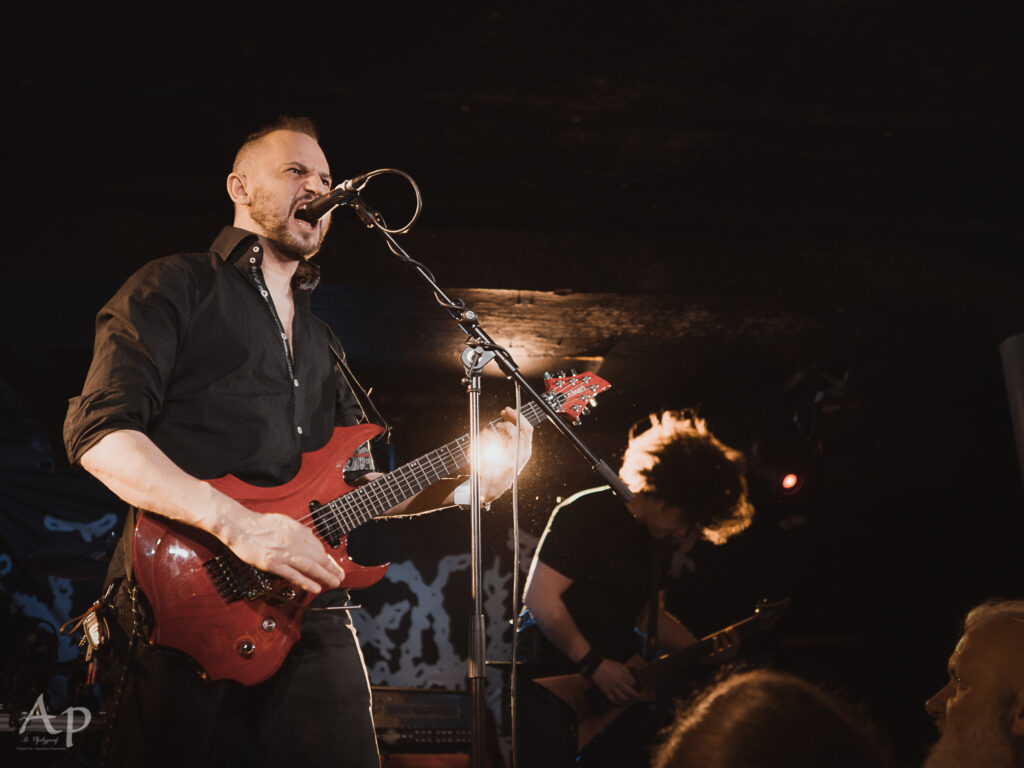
point(480, 350)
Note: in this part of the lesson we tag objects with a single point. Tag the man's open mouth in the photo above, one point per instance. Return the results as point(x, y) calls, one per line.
point(303, 222)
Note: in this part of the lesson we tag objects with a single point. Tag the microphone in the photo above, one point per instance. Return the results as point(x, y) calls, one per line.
point(342, 194)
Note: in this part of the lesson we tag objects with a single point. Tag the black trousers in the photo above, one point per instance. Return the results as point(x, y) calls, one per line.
point(315, 711)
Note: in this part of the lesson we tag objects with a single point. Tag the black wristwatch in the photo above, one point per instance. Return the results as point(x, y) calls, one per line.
point(588, 664)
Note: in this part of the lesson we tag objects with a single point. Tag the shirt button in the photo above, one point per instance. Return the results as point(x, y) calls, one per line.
point(295, 382)
point(299, 430)
point(263, 293)
point(255, 249)
point(284, 335)
point(252, 259)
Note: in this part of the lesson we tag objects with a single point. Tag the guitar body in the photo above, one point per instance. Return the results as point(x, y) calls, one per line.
point(185, 572)
point(593, 710)
point(239, 622)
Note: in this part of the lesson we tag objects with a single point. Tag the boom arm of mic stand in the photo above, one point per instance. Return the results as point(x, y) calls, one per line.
point(469, 322)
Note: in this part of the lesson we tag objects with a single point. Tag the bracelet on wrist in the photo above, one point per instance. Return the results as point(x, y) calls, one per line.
point(588, 664)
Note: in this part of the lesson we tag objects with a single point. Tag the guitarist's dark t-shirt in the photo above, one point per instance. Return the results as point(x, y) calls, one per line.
point(611, 558)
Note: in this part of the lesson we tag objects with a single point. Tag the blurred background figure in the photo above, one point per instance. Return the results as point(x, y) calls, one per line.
point(764, 719)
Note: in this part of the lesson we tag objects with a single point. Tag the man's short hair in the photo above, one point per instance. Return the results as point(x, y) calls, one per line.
point(992, 608)
point(679, 461)
point(771, 719)
point(283, 123)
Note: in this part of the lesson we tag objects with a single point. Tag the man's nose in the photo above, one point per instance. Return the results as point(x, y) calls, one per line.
point(936, 705)
point(316, 185)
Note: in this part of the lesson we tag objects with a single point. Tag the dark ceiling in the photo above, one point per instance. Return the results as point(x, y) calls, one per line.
point(806, 209)
point(664, 191)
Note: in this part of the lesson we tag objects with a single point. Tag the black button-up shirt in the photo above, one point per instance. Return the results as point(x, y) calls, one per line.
point(190, 352)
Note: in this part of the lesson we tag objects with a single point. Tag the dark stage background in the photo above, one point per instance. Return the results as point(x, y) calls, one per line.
point(802, 217)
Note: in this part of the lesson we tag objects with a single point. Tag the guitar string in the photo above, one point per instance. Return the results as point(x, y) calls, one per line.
point(351, 510)
point(346, 508)
point(359, 509)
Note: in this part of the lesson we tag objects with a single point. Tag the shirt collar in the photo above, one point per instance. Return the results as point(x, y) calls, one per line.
point(243, 249)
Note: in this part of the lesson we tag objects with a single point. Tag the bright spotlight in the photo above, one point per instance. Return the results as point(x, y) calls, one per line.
point(791, 482)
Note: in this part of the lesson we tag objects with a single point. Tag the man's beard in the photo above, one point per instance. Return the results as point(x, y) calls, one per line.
point(985, 742)
point(275, 223)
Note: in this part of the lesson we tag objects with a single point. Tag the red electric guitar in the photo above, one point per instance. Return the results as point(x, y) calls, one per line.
point(239, 622)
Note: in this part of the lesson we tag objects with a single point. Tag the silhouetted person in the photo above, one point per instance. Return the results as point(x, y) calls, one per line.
point(980, 711)
point(600, 571)
point(769, 719)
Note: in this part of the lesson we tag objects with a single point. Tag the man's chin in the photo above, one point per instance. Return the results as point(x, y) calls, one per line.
point(297, 248)
point(991, 750)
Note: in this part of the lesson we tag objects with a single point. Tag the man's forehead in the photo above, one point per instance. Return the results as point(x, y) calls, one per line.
point(992, 641)
point(286, 146)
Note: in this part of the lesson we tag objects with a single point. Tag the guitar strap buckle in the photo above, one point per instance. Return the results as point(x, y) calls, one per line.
point(95, 626)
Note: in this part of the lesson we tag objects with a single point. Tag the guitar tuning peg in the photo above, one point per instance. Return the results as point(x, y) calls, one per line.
point(585, 411)
point(593, 402)
point(578, 421)
point(547, 375)
point(572, 371)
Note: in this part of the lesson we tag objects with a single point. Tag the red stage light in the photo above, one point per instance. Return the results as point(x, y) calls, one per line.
point(790, 481)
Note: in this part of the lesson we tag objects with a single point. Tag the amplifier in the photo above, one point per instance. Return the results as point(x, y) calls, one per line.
point(422, 719)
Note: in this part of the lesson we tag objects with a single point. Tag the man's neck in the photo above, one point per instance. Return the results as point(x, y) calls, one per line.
point(278, 270)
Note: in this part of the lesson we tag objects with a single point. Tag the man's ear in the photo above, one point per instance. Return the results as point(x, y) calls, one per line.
point(1017, 716)
point(237, 189)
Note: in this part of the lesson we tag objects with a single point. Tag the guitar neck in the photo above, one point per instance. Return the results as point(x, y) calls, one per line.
point(378, 496)
point(674, 663)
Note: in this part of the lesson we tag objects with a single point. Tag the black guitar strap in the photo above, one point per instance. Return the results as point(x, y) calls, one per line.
point(360, 393)
point(653, 603)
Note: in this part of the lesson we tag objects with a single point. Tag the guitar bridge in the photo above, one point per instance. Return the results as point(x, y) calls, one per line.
point(235, 579)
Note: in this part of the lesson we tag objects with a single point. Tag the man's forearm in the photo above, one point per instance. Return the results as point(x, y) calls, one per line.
point(558, 626)
point(134, 468)
point(139, 473)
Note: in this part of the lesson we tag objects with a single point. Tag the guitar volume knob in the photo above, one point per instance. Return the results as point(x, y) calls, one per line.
point(246, 649)
point(269, 624)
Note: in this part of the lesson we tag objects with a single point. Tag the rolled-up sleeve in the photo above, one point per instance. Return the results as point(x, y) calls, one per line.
point(138, 333)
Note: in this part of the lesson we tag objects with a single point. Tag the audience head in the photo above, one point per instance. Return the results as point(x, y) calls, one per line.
point(769, 719)
point(980, 711)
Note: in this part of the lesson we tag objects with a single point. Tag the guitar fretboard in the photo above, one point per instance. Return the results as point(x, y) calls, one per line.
point(366, 502)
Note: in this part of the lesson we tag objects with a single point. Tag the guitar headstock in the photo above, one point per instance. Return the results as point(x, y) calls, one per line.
point(768, 613)
point(573, 395)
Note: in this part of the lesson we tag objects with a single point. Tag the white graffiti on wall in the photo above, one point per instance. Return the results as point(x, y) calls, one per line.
point(88, 531)
point(54, 615)
point(428, 618)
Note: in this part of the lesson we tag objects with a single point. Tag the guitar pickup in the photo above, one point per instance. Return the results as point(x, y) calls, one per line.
point(326, 522)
